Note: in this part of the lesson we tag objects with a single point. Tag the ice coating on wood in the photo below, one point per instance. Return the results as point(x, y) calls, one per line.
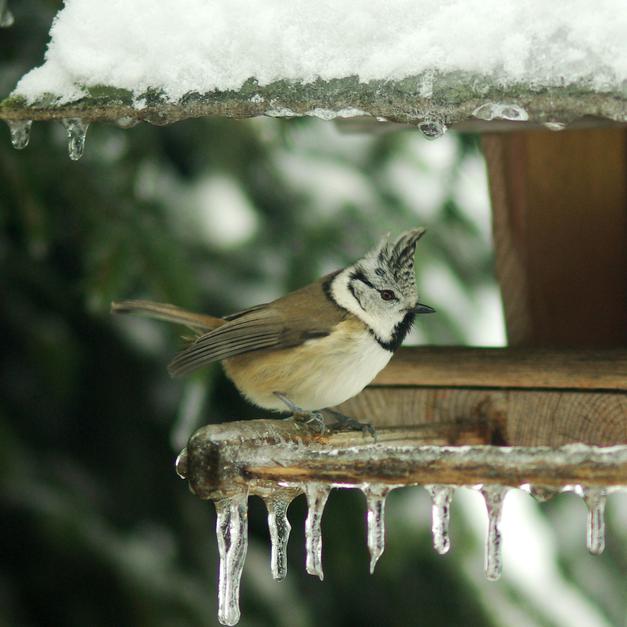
point(76, 132)
point(501, 111)
point(375, 503)
point(595, 529)
point(20, 133)
point(317, 495)
point(279, 527)
point(177, 46)
point(441, 496)
point(432, 128)
point(493, 495)
point(232, 532)
point(541, 493)
point(555, 126)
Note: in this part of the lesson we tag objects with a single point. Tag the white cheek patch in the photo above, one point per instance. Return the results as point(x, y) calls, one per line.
point(381, 325)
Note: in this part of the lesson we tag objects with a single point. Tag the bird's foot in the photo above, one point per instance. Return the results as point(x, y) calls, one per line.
point(302, 415)
point(346, 423)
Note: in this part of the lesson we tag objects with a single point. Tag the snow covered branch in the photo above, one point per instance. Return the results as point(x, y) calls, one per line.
point(468, 100)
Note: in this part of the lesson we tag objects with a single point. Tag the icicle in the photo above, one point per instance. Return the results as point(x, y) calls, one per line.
point(76, 131)
point(6, 17)
point(595, 532)
point(375, 501)
point(494, 495)
point(500, 111)
point(441, 496)
point(541, 493)
point(20, 132)
point(127, 122)
point(317, 495)
point(513, 112)
point(555, 126)
point(432, 128)
point(232, 532)
point(280, 528)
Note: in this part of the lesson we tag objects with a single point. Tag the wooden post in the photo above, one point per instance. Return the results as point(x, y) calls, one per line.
point(560, 228)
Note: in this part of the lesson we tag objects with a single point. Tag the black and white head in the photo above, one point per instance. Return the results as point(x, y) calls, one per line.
point(380, 289)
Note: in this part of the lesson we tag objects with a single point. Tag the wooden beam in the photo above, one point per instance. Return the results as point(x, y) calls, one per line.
point(560, 228)
point(506, 368)
point(498, 417)
point(257, 456)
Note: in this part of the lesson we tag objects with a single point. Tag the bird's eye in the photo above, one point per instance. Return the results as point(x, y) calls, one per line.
point(387, 294)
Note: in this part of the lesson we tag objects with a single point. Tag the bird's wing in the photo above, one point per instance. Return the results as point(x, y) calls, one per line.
point(253, 331)
point(286, 322)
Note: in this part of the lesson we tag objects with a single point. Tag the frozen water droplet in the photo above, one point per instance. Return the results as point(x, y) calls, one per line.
point(76, 131)
point(432, 128)
point(493, 495)
point(20, 132)
point(555, 126)
point(542, 493)
point(513, 112)
point(375, 501)
point(127, 122)
point(500, 111)
point(6, 17)
point(232, 532)
point(485, 111)
point(280, 528)
point(317, 495)
point(181, 464)
point(441, 496)
point(595, 532)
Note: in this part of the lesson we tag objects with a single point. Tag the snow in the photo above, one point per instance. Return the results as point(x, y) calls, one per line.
point(182, 46)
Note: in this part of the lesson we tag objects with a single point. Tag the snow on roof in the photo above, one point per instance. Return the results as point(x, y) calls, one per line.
point(181, 46)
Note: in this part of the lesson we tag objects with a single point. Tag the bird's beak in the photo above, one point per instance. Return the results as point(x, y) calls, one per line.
point(423, 309)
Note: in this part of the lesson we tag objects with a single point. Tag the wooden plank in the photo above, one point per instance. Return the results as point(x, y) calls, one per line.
point(560, 223)
point(498, 417)
point(507, 367)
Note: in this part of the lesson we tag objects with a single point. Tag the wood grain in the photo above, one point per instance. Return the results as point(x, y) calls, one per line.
point(498, 417)
point(559, 205)
point(507, 367)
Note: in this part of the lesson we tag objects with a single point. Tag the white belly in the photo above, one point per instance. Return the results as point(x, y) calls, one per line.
point(321, 373)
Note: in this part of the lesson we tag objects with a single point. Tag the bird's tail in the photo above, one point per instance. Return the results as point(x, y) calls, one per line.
point(169, 313)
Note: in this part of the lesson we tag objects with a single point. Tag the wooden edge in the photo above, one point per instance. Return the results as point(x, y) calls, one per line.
point(507, 368)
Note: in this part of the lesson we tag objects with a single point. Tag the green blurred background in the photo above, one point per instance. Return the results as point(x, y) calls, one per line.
point(218, 215)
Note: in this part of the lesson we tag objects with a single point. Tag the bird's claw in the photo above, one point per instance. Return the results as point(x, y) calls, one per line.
point(301, 415)
point(347, 423)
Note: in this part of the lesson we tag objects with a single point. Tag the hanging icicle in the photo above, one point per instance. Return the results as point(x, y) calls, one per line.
point(441, 496)
point(232, 532)
point(317, 495)
point(279, 527)
point(595, 532)
point(375, 502)
point(76, 133)
point(20, 133)
point(6, 17)
point(493, 495)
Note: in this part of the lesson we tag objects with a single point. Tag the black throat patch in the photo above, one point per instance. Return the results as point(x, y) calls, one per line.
point(398, 335)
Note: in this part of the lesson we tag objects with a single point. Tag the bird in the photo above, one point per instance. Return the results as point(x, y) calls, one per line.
point(315, 347)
